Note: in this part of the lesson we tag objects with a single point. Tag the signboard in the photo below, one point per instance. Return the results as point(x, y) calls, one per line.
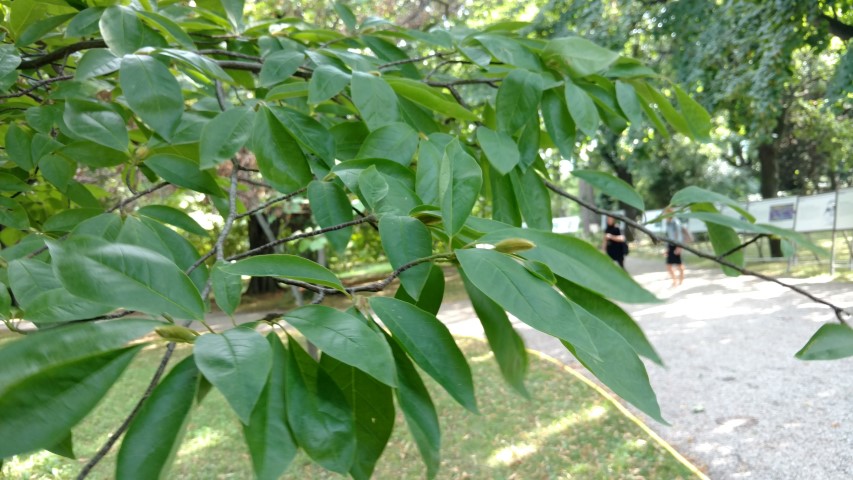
point(845, 209)
point(815, 213)
point(779, 212)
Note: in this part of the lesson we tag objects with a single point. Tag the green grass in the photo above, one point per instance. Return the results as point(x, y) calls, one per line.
point(566, 431)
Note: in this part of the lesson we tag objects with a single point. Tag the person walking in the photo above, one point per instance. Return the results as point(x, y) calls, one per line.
point(614, 242)
point(674, 233)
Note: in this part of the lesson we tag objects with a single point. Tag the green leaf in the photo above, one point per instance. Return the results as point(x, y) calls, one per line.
point(578, 261)
point(395, 141)
point(183, 172)
point(85, 23)
point(348, 139)
point(174, 217)
point(92, 154)
point(579, 54)
point(723, 238)
point(430, 153)
point(518, 100)
point(182, 252)
point(351, 170)
point(138, 278)
point(96, 62)
point(57, 170)
point(385, 194)
point(318, 413)
point(227, 288)
point(459, 183)
point(500, 149)
point(431, 295)
point(504, 204)
point(612, 186)
point(509, 51)
point(558, 122)
point(234, 11)
point(505, 342)
point(197, 62)
point(418, 410)
point(372, 405)
point(533, 301)
point(224, 135)
point(279, 66)
point(40, 410)
point(629, 102)
point(5, 302)
point(96, 122)
point(38, 30)
point(698, 119)
point(690, 195)
point(285, 266)
point(270, 442)
point(292, 89)
point(326, 82)
point(11, 183)
point(533, 199)
point(331, 207)
point(237, 362)
point(9, 59)
point(122, 30)
point(12, 214)
point(430, 345)
point(64, 448)
point(154, 436)
point(346, 15)
point(375, 100)
point(346, 338)
point(167, 26)
point(152, 92)
point(582, 108)
point(650, 95)
point(279, 157)
point(19, 146)
point(430, 97)
point(42, 119)
point(613, 315)
point(106, 226)
point(310, 133)
point(830, 342)
point(406, 239)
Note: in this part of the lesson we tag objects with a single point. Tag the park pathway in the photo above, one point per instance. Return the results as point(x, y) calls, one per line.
point(738, 402)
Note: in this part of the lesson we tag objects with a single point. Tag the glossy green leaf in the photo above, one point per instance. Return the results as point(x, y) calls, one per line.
point(459, 183)
point(430, 345)
point(504, 204)
point(12, 214)
point(167, 26)
point(92, 154)
point(152, 92)
point(227, 288)
point(137, 278)
point(629, 102)
point(430, 97)
point(406, 239)
point(96, 122)
point(234, 11)
point(533, 199)
point(533, 301)
point(509, 51)
point(504, 341)
point(106, 226)
point(270, 442)
point(64, 448)
point(518, 100)
point(690, 195)
point(39, 410)
point(346, 15)
point(237, 362)
point(613, 315)
point(285, 266)
point(385, 194)
point(291, 89)
point(154, 436)
point(122, 30)
point(11, 183)
point(326, 82)
point(830, 342)
point(224, 135)
point(318, 413)
point(652, 96)
point(96, 62)
point(558, 122)
point(375, 100)
point(19, 146)
point(723, 238)
point(395, 141)
point(612, 186)
point(579, 54)
point(418, 410)
point(698, 119)
point(180, 250)
point(372, 406)
point(430, 153)
point(9, 59)
point(310, 133)
point(174, 217)
point(578, 261)
point(5, 302)
point(279, 66)
point(38, 30)
point(84, 23)
point(582, 108)
point(280, 160)
point(431, 295)
point(346, 338)
point(197, 62)
point(331, 207)
point(500, 149)
point(58, 171)
point(183, 172)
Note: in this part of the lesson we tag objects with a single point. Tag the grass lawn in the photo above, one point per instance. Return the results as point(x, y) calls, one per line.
point(566, 431)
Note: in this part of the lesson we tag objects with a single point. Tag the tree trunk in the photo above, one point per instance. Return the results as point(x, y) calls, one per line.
point(257, 238)
point(768, 162)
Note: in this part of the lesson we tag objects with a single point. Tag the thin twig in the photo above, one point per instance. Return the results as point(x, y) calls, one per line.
point(492, 82)
point(271, 202)
point(363, 215)
point(232, 213)
point(840, 313)
point(255, 183)
point(220, 95)
point(291, 238)
point(412, 60)
point(228, 53)
point(60, 53)
point(742, 246)
point(136, 197)
point(35, 86)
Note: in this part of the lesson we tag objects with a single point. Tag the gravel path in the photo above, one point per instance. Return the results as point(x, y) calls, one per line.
point(738, 402)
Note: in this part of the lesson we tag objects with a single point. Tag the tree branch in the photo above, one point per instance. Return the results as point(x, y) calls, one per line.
point(837, 27)
point(742, 246)
point(492, 82)
point(47, 58)
point(36, 86)
point(228, 53)
point(271, 202)
point(291, 238)
point(412, 60)
point(232, 213)
point(840, 313)
point(136, 197)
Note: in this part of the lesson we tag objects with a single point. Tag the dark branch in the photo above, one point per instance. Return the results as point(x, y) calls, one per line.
point(227, 53)
point(411, 60)
point(742, 246)
point(492, 82)
point(60, 53)
point(840, 313)
point(36, 86)
point(136, 197)
point(271, 202)
point(838, 28)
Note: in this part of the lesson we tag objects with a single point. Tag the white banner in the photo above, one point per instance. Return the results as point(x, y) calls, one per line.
point(815, 213)
point(779, 212)
point(845, 209)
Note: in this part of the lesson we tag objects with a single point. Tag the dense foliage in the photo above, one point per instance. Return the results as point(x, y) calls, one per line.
point(107, 103)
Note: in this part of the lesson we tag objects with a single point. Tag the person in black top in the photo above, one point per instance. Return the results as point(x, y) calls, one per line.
point(614, 242)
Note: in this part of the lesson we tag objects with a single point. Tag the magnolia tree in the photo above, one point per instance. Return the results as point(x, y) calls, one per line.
point(432, 137)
